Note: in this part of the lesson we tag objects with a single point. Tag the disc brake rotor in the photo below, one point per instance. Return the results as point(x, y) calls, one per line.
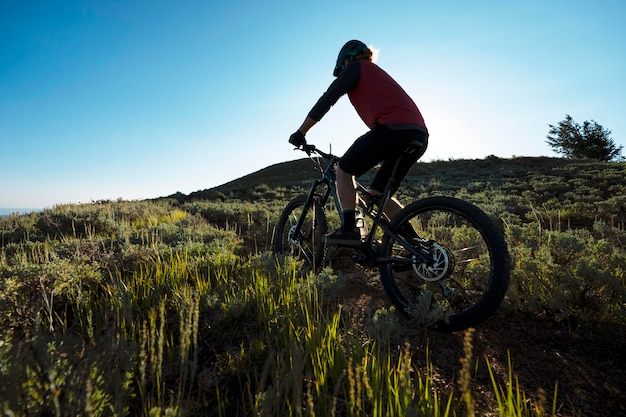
point(439, 268)
point(290, 237)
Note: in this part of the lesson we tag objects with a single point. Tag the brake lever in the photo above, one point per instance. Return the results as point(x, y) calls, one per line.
point(308, 149)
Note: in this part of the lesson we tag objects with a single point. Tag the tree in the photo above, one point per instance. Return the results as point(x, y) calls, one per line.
point(590, 140)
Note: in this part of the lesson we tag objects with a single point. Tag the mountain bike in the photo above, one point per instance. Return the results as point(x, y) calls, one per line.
point(442, 260)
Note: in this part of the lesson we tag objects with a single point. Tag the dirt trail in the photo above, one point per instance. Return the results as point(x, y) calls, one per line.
point(588, 367)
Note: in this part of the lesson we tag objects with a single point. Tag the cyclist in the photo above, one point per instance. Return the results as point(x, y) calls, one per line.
point(394, 121)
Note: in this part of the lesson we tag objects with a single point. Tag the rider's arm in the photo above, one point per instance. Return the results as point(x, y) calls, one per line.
point(346, 81)
point(307, 124)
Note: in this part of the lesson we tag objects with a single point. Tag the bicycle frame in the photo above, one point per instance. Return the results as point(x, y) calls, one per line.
point(440, 254)
point(327, 180)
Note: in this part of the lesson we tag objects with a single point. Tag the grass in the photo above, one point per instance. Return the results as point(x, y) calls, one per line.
point(512, 401)
point(176, 307)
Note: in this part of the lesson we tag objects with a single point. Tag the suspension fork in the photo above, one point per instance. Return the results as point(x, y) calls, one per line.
point(309, 201)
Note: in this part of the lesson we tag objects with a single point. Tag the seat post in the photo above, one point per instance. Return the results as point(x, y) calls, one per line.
point(411, 147)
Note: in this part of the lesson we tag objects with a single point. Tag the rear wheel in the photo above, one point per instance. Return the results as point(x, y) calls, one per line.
point(307, 243)
point(467, 273)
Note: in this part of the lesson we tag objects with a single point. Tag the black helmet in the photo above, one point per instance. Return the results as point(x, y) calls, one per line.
point(349, 50)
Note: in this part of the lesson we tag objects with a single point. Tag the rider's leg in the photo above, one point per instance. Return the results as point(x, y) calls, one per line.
point(358, 159)
point(346, 190)
point(368, 150)
point(392, 207)
point(397, 169)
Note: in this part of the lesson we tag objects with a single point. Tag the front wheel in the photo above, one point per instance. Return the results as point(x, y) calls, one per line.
point(466, 274)
point(307, 241)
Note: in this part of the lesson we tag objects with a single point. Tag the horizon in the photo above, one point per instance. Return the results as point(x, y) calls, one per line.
point(110, 100)
point(7, 211)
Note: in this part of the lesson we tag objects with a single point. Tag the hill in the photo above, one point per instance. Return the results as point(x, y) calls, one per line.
point(578, 192)
point(288, 174)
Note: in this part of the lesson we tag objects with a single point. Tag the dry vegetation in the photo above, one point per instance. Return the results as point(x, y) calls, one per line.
point(176, 307)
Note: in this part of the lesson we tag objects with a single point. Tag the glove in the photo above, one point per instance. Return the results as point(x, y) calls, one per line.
point(297, 139)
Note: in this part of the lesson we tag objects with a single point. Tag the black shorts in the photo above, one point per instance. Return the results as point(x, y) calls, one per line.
point(382, 144)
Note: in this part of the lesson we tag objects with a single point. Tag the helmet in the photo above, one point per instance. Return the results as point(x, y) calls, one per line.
point(349, 50)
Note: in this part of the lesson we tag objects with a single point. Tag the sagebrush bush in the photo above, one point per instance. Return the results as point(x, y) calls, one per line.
point(55, 293)
point(568, 273)
point(173, 306)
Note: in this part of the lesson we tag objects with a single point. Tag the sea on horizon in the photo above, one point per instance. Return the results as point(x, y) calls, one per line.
point(4, 212)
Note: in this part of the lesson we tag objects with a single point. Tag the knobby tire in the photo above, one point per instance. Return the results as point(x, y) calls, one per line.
point(476, 273)
point(309, 245)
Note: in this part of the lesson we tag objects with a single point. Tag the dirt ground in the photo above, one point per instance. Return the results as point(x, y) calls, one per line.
point(587, 368)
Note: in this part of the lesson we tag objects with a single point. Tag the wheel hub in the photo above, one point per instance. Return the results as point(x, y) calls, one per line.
point(292, 239)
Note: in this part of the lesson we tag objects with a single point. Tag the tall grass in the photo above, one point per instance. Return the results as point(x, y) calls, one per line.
point(160, 341)
point(163, 308)
point(512, 401)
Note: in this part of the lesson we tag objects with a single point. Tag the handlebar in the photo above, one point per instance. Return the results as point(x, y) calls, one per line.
point(310, 149)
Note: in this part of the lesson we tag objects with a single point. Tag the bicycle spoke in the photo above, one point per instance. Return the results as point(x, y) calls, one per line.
point(305, 242)
point(460, 267)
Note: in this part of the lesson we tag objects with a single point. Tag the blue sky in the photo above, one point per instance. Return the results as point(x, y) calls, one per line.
point(141, 99)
